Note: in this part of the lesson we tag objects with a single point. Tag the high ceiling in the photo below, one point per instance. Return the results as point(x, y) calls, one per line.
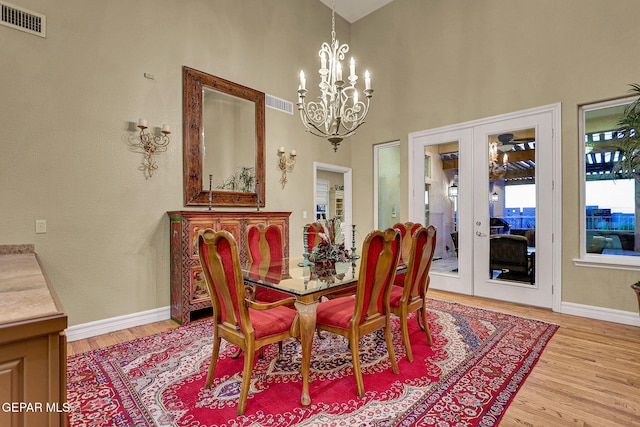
point(352, 10)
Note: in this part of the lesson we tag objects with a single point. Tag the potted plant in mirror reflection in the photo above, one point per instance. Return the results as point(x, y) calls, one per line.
point(243, 181)
point(330, 251)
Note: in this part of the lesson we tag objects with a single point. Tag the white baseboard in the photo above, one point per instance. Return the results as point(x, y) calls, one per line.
point(99, 327)
point(601, 313)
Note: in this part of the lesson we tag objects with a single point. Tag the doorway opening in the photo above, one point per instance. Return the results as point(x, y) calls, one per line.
point(332, 193)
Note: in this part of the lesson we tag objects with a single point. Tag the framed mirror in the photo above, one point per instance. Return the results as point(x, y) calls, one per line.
point(224, 137)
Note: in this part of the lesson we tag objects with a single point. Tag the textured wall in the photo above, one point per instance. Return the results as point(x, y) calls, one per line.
point(69, 103)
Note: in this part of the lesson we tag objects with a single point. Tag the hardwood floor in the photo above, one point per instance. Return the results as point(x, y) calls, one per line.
point(588, 375)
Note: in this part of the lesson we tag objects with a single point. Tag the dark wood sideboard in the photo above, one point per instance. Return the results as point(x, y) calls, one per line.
point(189, 294)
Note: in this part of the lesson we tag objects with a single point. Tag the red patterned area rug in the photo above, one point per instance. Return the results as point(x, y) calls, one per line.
point(477, 363)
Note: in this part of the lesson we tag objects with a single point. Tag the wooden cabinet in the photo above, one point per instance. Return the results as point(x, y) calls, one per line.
point(189, 294)
point(33, 374)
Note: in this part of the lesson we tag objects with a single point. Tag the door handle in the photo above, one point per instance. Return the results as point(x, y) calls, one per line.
point(479, 234)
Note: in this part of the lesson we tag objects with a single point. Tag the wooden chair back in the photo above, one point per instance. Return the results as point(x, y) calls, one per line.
point(406, 230)
point(221, 267)
point(380, 255)
point(265, 249)
point(423, 246)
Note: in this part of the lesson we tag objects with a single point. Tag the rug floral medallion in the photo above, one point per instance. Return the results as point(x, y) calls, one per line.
point(477, 363)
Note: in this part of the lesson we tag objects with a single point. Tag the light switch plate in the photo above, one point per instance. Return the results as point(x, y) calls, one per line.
point(41, 226)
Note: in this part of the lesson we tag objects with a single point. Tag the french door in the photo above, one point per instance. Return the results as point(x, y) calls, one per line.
point(488, 187)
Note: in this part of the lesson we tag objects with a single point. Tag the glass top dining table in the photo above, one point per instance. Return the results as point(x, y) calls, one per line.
point(307, 282)
point(302, 279)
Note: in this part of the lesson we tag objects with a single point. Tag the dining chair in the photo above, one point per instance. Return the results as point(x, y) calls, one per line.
point(412, 295)
point(239, 320)
point(367, 311)
point(264, 248)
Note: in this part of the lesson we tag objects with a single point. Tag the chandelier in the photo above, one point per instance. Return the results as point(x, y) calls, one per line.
point(339, 111)
point(497, 168)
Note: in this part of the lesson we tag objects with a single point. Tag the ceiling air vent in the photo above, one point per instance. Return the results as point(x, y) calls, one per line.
point(22, 19)
point(279, 104)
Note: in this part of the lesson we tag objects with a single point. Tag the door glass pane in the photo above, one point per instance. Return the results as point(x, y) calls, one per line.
point(610, 197)
point(512, 206)
point(441, 202)
point(388, 184)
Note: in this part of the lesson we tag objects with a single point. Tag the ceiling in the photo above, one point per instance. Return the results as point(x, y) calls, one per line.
point(352, 10)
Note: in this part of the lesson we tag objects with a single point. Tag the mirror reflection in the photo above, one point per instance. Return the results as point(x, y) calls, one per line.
point(229, 141)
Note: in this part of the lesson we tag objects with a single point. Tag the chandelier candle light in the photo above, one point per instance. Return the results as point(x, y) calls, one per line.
point(339, 110)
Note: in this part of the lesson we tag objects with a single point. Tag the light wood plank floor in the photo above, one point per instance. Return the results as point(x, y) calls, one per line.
point(588, 375)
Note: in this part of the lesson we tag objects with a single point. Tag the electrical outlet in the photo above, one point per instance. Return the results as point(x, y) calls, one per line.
point(304, 214)
point(41, 226)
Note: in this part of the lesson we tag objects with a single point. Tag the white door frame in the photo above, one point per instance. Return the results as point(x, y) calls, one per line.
point(417, 141)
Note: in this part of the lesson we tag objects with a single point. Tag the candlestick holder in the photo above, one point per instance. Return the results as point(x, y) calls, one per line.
point(305, 241)
point(354, 256)
point(210, 192)
point(150, 145)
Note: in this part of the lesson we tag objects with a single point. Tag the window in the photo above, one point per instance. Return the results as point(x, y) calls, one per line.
point(609, 234)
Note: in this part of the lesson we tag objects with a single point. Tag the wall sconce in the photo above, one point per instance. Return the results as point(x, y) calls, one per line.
point(286, 164)
point(150, 145)
point(494, 197)
point(453, 191)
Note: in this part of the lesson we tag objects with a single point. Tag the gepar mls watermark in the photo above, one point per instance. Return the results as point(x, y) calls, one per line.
point(34, 407)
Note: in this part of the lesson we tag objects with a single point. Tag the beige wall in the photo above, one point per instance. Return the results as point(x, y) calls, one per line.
point(441, 62)
point(69, 102)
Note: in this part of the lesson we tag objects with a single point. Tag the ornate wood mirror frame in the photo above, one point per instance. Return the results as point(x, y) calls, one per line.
point(194, 193)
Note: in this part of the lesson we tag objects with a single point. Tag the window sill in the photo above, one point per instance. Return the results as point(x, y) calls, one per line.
point(609, 261)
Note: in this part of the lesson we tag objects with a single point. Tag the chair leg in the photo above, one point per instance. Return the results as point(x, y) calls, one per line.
point(214, 360)
point(389, 340)
point(405, 336)
point(422, 314)
point(355, 359)
point(246, 379)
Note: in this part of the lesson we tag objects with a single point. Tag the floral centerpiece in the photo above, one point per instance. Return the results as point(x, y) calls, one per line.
point(330, 250)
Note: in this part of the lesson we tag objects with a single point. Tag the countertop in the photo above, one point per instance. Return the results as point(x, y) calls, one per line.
point(24, 293)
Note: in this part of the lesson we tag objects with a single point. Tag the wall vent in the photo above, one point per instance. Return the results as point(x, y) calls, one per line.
point(22, 19)
point(279, 104)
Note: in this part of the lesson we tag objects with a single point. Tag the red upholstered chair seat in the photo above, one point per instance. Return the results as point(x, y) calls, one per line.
point(267, 323)
point(336, 312)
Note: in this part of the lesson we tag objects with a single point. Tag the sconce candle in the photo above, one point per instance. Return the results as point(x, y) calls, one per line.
point(286, 164)
point(150, 145)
